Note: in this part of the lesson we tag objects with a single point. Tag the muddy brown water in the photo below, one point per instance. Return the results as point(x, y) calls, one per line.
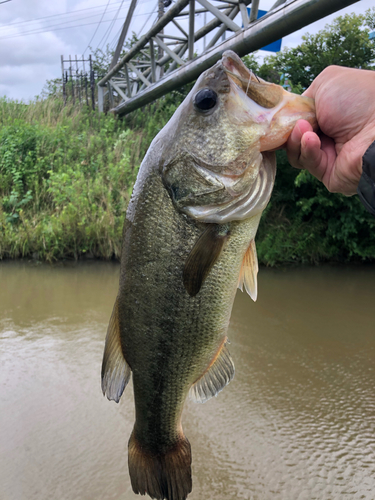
point(297, 422)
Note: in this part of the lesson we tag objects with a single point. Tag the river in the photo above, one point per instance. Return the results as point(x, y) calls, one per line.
point(296, 423)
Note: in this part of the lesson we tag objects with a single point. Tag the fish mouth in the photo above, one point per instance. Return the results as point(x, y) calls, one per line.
point(267, 103)
point(268, 95)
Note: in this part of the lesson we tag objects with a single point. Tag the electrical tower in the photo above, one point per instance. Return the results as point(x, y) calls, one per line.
point(145, 74)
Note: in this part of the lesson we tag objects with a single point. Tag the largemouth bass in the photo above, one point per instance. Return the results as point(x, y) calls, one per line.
point(188, 244)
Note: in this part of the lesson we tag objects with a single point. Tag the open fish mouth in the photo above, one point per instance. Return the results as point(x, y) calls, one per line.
point(267, 103)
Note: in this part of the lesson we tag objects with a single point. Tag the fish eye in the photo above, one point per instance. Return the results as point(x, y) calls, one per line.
point(205, 100)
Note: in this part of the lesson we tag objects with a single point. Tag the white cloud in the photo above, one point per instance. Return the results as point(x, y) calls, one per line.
point(24, 82)
point(26, 62)
point(38, 49)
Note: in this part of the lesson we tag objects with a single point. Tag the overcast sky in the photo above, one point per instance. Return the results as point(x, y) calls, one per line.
point(35, 33)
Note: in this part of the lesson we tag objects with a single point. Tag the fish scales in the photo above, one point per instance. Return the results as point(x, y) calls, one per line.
point(188, 244)
point(168, 320)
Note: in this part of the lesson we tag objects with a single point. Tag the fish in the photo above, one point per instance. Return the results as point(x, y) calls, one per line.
point(188, 244)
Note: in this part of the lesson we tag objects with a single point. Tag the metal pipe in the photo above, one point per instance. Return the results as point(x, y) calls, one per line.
point(174, 64)
point(277, 3)
point(207, 28)
point(128, 88)
point(200, 11)
point(101, 99)
point(124, 32)
point(244, 15)
point(231, 25)
point(214, 23)
point(254, 10)
point(138, 73)
point(156, 28)
point(153, 65)
point(191, 29)
point(170, 52)
point(180, 28)
point(172, 37)
point(265, 30)
point(222, 29)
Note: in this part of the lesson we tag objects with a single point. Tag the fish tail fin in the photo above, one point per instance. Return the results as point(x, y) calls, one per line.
point(161, 476)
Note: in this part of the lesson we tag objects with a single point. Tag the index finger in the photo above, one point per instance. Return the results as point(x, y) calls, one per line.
point(293, 146)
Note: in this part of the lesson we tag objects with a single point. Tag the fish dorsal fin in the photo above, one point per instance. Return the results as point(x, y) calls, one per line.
point(249, 272)
point(215, 378)
point(203, 256)
point(115, 370)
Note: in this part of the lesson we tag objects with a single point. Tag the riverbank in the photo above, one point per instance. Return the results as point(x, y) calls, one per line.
point(66, 176)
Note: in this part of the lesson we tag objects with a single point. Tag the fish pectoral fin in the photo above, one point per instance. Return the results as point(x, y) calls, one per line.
point(249, 272)
point(115, 370)
point(215, 378)
point(203, 256)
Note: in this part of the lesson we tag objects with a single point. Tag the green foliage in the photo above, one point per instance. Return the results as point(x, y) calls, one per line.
point(304, 222)
point(65, 180)
point(251, 62)
point(345, 42)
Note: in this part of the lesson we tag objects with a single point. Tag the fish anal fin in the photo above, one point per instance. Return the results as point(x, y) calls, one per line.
point(162, 475)
point(115, 370)
point(203, 256)
point(215, 378)
point(249, 272)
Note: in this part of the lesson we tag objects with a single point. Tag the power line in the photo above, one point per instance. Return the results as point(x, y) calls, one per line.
point(56, 15)
point(100, 22)
point(147, 20)
point(43, 30)
point(110, 27)
point(49, 27)
point(115, 38)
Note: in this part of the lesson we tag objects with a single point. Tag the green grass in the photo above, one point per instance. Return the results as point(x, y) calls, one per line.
point(66, 176)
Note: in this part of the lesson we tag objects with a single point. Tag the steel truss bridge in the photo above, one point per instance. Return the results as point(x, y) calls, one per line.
point(174, 52)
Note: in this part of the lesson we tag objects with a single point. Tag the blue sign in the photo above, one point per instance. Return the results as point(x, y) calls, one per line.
point(274, 46)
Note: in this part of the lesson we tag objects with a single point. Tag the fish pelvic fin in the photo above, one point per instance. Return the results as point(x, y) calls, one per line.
point(161, 475)
point(115, 370)
point(203, 256)
point(249, 272)
point(215, 378)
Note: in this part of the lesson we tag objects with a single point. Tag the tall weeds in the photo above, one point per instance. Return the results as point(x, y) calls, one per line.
point(66, 176)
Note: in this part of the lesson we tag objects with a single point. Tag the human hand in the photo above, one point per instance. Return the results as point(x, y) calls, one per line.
point(345, 110)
